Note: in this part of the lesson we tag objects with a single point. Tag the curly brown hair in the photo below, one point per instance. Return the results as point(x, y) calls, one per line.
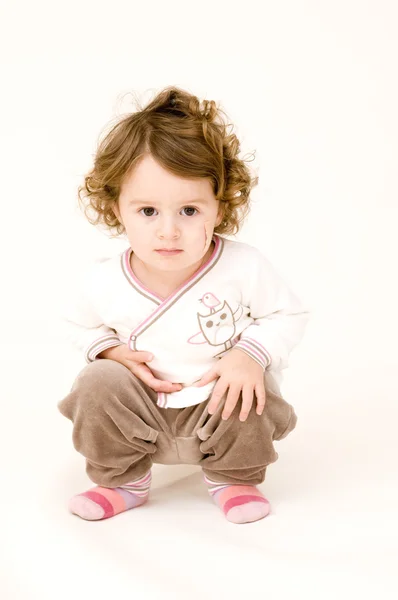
point(188, 138)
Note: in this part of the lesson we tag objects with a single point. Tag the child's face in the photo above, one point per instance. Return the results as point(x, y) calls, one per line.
point(161, 210)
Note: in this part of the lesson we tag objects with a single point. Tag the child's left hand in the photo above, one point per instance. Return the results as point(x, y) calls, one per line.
point(240, 373)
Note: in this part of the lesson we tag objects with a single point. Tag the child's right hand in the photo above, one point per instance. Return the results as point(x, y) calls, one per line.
point(135, 362)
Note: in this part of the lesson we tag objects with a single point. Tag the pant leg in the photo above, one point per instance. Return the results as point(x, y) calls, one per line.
point(236, 452)
point(117, 425)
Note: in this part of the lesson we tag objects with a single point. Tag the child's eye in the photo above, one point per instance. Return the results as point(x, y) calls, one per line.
point(190, 209)
point(148, 211)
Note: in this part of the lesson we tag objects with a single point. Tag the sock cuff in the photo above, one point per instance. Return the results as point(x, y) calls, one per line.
point(214, 486)
point(139, 486)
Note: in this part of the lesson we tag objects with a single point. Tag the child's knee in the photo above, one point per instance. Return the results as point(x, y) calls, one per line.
point(95, 386)
point(103, 371)
point(285, 425)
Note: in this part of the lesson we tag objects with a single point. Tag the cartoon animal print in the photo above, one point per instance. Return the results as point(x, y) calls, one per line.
point(218, 326)
point(210, 300)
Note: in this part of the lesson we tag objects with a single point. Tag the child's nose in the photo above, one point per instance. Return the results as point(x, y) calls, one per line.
point(168, 229)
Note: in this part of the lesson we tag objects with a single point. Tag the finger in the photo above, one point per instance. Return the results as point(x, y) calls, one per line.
point(141, 356)
point(168, 386)
point(207, 377)
point(261, 398)
point(218, 392)
point(247, 401)
point(145, 374)
point(231, 402)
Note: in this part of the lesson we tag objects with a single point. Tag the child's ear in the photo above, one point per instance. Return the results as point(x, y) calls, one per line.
point(116, 211)
point(219, 218)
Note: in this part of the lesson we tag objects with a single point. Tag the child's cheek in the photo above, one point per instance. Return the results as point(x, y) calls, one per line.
point(201, 233)
point(207, 233)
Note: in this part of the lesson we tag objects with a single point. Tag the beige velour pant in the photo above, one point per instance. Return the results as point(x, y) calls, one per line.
point(120, 430)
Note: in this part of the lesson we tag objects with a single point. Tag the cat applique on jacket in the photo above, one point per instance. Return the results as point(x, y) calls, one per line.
point(217, 328)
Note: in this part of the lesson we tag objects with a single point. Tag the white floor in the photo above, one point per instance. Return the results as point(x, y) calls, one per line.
point(333, 531)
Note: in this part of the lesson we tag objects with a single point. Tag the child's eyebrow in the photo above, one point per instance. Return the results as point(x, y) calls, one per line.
point(151, 202)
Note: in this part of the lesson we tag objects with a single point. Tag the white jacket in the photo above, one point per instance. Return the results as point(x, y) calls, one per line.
point(236, 299)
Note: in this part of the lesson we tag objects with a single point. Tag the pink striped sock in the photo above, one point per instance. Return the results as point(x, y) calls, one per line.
point(102, 502)
point(239, 503)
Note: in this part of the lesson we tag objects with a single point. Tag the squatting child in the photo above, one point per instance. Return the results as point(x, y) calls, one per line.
point(186, 332)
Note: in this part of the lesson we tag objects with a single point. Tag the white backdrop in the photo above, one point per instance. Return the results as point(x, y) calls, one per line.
point(312, 88)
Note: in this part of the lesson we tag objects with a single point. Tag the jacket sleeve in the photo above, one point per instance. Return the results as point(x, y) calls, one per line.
point(82, 325)
point(280, 317)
